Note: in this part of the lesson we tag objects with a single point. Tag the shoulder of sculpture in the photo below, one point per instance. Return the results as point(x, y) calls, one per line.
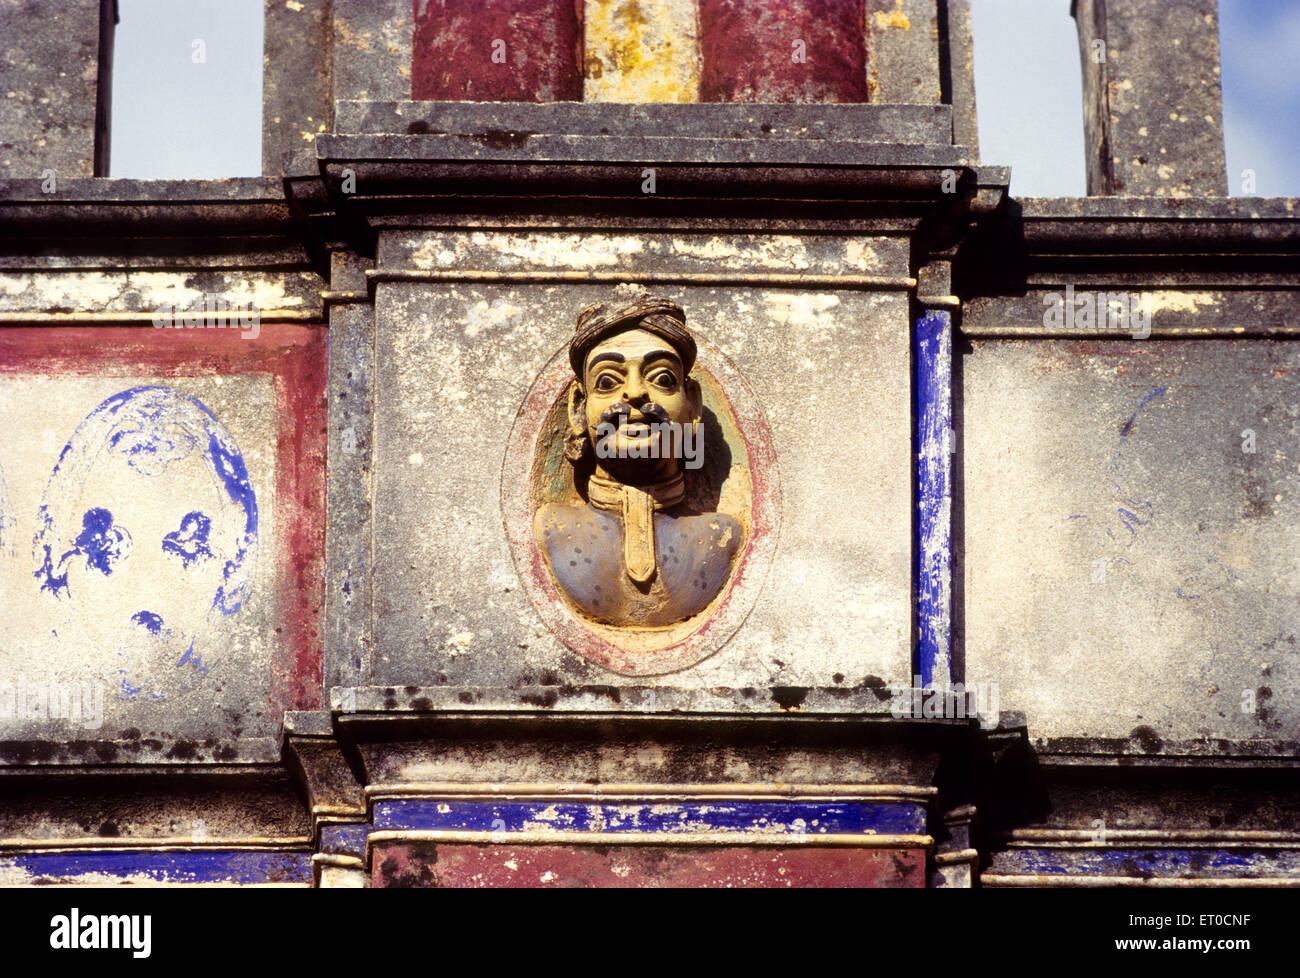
point(564, 518)
point(712, 529)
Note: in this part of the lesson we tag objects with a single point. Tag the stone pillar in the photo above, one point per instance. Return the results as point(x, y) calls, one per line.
point(54, 87)
point(296, 101)
point(653, 56)
point(903, 51)
point(811, 52)
point(497, 51)
point(1152, 107)
point(957, 73)
point(371, 56)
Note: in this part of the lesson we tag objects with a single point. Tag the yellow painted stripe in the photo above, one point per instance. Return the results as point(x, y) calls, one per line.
point(641, 51)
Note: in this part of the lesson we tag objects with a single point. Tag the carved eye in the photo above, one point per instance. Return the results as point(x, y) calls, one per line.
point(664, 380)
point(606, 382)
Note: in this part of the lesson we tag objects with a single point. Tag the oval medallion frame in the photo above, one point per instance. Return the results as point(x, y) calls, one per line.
point(535, 472)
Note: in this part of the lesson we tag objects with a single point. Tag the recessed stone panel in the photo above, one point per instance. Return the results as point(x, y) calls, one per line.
point(160, 541)
point(1132, 515)
point(824, 369)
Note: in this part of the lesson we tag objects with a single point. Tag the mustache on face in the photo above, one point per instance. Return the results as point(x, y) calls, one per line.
point(618, 414)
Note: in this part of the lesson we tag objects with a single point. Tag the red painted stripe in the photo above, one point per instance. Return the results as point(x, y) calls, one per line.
point(296, 359)
point(538, 47)
point(749, 51)
point(623, 866)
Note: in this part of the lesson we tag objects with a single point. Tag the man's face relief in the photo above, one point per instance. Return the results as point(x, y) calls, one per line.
point(634, 388)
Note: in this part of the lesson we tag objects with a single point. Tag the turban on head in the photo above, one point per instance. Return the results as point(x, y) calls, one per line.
point(659, 316)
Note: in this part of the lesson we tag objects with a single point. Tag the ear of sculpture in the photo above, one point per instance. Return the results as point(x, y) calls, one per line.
point(696, 397)
point(575, 435)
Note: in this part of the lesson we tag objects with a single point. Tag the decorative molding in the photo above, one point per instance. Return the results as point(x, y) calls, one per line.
point(738, 839)
point(155, 844)
point(1130, 882)
point(266, 317)
point(635, 791)
point(587, 277)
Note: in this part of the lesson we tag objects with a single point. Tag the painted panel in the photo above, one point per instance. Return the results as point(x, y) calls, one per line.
point(1191, 863)
point(160, 569)
point(454, 363)
point(497, 50)
point(1132, 536)
point(109, 868)
point(814, 51)
point(933, 414)
point(641, 51)
point(645, 866)
point(797, 817)
point(344, 839)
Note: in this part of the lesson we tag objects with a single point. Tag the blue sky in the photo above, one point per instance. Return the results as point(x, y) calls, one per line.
point(1028, 93)
point(1260, 47)
point(173, 117)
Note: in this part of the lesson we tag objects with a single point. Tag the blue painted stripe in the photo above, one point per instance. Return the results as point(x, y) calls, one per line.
point(933, 414)
point(812, 818)
point(347, 840)
point(1143, 863)
point(168, 867)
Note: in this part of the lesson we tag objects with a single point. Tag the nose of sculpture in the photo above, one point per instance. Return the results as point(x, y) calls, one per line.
point(634, 390)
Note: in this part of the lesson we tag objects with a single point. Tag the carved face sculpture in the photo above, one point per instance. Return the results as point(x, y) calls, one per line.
point(634, 389)
point(639, 553)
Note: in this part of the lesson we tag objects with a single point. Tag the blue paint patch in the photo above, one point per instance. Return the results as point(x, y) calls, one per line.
point(169, 867)
point(234, 476)
point(192, 660)
point(345, 840)
point(101, 542)
point(47, 574)
point(1131, 520)
point(152, 622)
point(932, 410)
point(149, 427)
point(190, 542)
point(787, 817)
point(232, 594)
point(1131, 507)
point(1158, 392)
point(1205, 863)
point(129, 694)
point(151, 448)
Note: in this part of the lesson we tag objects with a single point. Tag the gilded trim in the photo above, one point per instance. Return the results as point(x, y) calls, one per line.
point(1157, 333)
point(266, 317)
point(588, 276)
point(338, 297)
point(338, 860)
point(1086, 838)
point(1130, 882)
point(959, 858)
point(155, 844)
point(732, 839)
point(634, 791)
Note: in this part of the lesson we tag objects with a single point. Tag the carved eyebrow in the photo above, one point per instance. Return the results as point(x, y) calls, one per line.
point(616, 357)
point(660, 354)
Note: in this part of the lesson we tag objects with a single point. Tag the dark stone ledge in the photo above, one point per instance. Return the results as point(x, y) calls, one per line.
point(748, 121)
